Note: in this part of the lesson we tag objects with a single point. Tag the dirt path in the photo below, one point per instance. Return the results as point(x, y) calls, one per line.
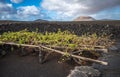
point(28, 66)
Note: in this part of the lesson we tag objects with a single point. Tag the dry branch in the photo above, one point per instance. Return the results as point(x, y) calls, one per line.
point(58, 51)
point(96, 48)
point(75, 56)
point(24, 45)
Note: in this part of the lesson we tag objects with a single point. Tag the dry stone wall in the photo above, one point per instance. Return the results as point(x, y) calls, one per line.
point(99, 27)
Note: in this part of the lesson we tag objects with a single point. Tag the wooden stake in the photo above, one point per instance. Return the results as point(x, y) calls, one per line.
point(75, 56)
point(57, 51)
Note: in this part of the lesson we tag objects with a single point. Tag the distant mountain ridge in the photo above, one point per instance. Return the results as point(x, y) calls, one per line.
point(40, 20)
point(107, 19)
point(84, 18)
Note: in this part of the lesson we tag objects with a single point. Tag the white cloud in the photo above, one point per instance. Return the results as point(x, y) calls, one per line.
point(64, 6)
point(16, 1)
point(72, 8)
point(5, 5)
point(30, 13)
point(5, 16)
point(8, 12)
point(28, 10)
point(6, 8)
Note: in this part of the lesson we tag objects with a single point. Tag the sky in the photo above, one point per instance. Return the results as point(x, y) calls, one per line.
point(58, 10)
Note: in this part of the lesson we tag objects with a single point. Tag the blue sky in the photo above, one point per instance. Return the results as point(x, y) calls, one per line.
point(58, 10)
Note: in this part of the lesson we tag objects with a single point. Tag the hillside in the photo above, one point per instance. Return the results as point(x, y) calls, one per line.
point(84, 18)
point(40, 20)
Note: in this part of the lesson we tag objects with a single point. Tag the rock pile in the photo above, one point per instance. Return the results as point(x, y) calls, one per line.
point(84, 71)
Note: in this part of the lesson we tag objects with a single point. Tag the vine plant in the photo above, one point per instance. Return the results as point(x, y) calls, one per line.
point(60, 38)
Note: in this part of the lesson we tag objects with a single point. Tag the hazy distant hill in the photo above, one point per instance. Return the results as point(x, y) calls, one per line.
point(40, 20)
point(84, 18)
point(107, 19)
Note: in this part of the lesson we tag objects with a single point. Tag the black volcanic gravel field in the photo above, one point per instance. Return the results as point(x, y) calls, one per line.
point(13, 65)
